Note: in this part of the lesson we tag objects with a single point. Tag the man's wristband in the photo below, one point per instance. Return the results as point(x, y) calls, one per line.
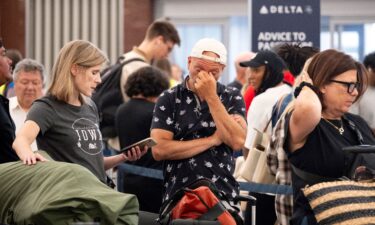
point(303, 84)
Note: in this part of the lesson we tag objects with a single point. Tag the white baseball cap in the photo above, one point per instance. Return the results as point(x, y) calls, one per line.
point(210, 45)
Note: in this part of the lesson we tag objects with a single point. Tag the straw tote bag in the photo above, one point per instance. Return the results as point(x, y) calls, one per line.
point(342, 202)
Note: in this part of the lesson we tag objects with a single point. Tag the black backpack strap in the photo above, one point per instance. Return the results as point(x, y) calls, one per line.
point(129, 60)
point(121, 58)
point(167, 206)
point(279, 108)
point(107, 72)
point(122, 64)
point(214, 212)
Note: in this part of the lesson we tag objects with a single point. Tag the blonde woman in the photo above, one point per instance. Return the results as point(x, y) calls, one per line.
point(65, 122)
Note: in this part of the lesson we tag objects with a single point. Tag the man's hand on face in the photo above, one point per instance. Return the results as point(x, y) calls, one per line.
point(205, 85)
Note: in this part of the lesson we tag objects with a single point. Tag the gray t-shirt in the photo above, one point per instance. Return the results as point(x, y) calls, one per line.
point(69, 133)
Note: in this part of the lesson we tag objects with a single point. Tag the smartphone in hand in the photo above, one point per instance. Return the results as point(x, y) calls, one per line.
point(149, 142)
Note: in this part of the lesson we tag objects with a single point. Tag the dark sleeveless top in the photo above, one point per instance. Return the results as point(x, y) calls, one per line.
point(322, 155)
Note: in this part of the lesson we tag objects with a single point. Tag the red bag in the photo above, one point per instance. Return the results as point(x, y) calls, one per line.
point(202, 204)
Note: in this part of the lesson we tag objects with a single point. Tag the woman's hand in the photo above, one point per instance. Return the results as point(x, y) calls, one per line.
point(134, 153)
point(303, 77)
point(30, 158)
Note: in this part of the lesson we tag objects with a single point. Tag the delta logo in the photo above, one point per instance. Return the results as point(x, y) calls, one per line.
point(285, 9)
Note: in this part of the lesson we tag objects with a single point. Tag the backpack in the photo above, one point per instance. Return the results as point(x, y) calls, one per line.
point(200, 201)
point(108, 96)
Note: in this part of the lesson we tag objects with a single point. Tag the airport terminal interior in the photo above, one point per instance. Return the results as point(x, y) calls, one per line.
point(268, 120)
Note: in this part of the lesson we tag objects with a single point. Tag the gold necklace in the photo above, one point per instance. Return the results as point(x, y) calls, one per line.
point(340, 129)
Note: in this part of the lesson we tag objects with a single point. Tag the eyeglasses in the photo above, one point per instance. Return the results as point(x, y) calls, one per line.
point(351, 85)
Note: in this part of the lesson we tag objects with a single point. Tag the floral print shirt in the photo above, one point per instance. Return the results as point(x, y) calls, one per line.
point(181, 112)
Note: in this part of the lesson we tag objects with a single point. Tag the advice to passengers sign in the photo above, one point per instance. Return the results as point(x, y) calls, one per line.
point(278, 21)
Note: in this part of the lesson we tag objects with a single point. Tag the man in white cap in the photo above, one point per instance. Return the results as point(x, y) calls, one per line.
point(199, 123)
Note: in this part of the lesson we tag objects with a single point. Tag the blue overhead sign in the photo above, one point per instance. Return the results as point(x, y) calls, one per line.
point(274, 22)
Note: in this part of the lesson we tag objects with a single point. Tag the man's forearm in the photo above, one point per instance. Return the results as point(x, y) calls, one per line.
point(230, 131)
point(175, 150)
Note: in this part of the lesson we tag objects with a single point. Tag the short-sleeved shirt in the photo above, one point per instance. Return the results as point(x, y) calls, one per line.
point(180, 111)
point(69, 133)
point(132, 67)
point(260, 112)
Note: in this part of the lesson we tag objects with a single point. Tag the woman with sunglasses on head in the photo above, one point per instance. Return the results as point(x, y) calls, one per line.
point(319, 125)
